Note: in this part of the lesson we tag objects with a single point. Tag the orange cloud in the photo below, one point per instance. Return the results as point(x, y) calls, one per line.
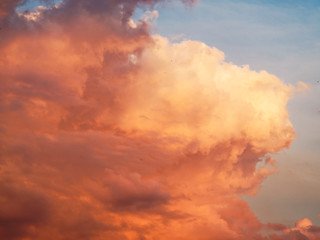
point(108, 132)
point(304, 230)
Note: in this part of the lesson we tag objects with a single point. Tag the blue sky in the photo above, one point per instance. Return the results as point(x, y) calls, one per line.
point(251, 32)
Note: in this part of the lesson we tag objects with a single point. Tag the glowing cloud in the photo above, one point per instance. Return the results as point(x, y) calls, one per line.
point(108, 132)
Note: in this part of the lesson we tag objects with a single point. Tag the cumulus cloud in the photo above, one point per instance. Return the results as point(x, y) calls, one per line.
point(108, 132)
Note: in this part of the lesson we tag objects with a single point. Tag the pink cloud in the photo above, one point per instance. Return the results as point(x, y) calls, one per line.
point(108, 132)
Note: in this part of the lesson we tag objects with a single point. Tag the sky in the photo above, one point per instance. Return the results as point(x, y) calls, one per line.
point(152, 119)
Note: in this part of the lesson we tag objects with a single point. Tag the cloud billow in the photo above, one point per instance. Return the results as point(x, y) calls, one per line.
point(109, 132)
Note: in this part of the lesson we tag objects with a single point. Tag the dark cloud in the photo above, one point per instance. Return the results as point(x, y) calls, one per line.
point(276, 226)
point(21, 209)
point(7, 7)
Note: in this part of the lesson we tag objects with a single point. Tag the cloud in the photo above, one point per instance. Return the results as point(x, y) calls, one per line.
point(21, 207)
point(7, 7)
point(303, 230)
point(109, 132)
